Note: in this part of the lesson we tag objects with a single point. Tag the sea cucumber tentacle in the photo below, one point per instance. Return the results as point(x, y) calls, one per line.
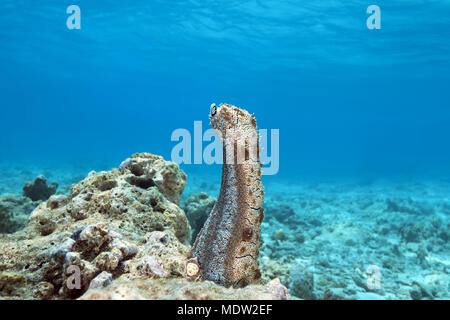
point(227, 247)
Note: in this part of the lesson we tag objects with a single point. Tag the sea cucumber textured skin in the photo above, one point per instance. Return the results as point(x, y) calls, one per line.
point(227, 247)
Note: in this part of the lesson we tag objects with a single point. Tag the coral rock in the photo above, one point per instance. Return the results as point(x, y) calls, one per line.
point(161, 256)
point(277, 290)
point(136, 198)
point(101, 281)
point(39, 189)
point(110, 221)
point(182, 289)
point(149, 169)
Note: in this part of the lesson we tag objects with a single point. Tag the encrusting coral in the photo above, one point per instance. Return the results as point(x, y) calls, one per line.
point(227, 247)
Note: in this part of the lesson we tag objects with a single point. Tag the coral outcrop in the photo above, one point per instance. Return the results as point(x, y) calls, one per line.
point(39, 189)
point(151, 170)
point(108, 219)
point(227, 247)
point(135, 199)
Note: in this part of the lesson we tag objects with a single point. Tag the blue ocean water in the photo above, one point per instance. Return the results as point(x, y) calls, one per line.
point(363, 117)
point(346, 99)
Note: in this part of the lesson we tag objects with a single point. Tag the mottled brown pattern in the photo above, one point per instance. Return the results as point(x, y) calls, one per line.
point(227, 247)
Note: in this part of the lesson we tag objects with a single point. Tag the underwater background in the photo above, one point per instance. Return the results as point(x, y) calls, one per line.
point(364, 176)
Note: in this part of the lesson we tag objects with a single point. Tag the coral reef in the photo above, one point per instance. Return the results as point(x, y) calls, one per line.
point(151, 170)
point(39, 189)
point(227, 247)
point(197, 209)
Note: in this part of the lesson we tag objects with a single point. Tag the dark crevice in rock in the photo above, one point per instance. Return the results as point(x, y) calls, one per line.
point(144, 182)
point(137, 169)
point(107, 185)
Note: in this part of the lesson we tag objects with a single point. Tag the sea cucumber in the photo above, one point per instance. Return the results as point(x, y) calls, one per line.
point(227, 247)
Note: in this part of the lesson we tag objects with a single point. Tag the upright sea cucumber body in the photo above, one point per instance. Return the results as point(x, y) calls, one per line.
point(227, 247)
